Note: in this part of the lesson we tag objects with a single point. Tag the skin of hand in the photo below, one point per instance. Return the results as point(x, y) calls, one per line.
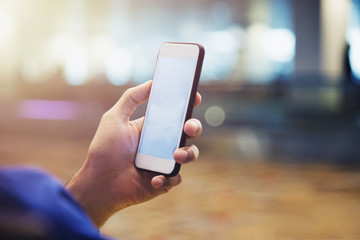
point(108, 181)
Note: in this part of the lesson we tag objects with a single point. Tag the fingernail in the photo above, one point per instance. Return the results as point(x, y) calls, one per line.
point(158, 183)
point(195, 125)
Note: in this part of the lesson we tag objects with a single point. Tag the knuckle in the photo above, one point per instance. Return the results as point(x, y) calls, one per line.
point(106, 115)
point(128, 91)
point(194, 152)
point(179, 179)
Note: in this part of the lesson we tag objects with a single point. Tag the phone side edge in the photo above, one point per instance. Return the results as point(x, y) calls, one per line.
point(190, 107)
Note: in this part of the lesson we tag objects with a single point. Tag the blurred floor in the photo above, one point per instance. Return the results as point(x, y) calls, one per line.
point(222, 196)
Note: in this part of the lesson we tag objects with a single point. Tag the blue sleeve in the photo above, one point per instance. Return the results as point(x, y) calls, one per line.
point(35, 205)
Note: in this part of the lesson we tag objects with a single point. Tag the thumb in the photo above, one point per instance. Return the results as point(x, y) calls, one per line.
point(131, 98)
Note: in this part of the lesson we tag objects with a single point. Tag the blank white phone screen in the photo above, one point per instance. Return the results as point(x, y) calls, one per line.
point(167, 106)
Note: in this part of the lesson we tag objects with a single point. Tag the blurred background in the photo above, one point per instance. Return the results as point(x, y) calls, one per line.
point(281, 96)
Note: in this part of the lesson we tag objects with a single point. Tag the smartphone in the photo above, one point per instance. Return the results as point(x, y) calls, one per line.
point(170, 104)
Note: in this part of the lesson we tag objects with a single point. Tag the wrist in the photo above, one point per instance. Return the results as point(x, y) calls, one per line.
point(89, 194)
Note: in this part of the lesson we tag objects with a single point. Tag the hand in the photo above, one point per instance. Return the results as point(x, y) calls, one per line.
point(109, 181)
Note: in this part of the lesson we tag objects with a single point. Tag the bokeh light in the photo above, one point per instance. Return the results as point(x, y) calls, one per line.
point(279, 45)
point(7, 27)
point(118, 66)
point(76, 65)
point(215, 116)
point(353, 38)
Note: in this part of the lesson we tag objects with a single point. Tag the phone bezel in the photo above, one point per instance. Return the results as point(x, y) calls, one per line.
point(176, 50)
